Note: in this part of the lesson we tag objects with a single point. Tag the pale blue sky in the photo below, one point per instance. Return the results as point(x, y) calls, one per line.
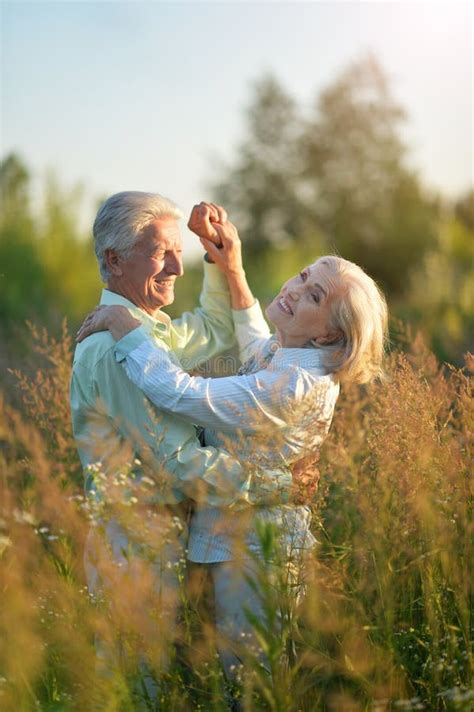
point(150, 95)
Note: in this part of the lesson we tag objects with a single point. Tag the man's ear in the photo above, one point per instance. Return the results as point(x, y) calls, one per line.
point(113, 262)
point(332, 337)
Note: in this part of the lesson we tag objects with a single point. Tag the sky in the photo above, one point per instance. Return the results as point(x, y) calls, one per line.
point(152, 95)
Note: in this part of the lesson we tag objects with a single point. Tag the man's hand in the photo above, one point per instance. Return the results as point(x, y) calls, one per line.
point(203, 219)
point(305, 478)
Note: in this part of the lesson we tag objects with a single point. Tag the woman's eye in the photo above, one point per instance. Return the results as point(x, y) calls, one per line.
point(303, 276)
point(316, 298)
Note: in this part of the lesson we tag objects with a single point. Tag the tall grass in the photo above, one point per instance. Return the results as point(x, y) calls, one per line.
point(386, 621)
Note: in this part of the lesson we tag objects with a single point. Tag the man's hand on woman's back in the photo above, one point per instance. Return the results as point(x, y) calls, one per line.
point(305, 478)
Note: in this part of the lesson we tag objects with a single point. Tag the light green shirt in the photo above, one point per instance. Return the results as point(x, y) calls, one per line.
point(115, 425)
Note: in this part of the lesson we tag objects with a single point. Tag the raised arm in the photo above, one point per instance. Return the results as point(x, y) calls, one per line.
point(226, 252)
point(209, 329)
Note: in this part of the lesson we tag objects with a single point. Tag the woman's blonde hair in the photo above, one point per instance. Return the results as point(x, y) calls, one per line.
point(359, 311)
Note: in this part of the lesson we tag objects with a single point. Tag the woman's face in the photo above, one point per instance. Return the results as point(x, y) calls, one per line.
point(301, 311)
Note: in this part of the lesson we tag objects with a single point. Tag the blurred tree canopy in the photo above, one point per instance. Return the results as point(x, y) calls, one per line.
point(47, 268)
point(21, 271)
point(336, 181)
point(335, 178)
point(440, 297)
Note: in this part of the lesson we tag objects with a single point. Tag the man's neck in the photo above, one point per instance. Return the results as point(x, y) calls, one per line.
point(117, 289)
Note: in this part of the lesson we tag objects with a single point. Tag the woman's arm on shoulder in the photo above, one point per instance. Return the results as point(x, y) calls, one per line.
point(248, 403)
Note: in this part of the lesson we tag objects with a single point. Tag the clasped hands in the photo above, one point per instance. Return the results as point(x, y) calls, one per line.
point(218, 236)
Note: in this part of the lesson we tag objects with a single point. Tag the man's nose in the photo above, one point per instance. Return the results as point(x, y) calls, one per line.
point(174, 265)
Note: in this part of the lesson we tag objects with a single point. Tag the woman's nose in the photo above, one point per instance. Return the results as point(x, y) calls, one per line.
point(294, 295)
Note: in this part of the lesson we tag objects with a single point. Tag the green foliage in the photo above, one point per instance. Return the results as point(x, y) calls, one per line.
point(336, 181)
point(47, 267)
point(339, 181)
point(73, 281)
point(369, 204)
point(22, 277)
point(261, 190)
point(441, 291)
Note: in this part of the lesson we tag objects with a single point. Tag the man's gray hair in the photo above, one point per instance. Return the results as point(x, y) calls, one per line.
point(121, 220)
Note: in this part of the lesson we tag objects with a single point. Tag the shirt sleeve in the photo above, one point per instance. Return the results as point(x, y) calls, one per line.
point(251, 330)
point(208, 330)
point(123, 425)
point(250, 403)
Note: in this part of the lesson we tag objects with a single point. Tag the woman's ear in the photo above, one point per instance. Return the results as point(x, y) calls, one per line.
point(113, 262)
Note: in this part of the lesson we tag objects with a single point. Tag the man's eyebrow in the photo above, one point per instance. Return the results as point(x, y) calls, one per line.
point(165, 245)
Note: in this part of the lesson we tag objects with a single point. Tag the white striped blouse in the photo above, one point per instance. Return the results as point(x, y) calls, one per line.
point(269, 418)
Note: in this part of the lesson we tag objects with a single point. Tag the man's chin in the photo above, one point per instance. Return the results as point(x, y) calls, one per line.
point(164, 297)
point(164, 302)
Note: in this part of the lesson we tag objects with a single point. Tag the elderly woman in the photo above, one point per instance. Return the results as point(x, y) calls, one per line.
point(330, 327)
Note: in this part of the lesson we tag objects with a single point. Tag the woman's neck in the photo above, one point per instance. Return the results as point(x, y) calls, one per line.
point(287, 341)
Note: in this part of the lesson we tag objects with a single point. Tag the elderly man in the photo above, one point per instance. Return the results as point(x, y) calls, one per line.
point(152, 459)
point(138, 246)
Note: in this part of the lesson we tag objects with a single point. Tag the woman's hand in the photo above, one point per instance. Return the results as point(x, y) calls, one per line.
point(113, 318)
point(228, 255)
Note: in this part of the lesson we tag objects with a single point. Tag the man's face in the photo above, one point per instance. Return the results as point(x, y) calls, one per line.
point(148, 275)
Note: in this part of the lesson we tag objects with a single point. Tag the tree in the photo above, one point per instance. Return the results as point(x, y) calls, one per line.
point(337, 181)
point(73, 285)
point(369, 204)
point(22, 277)
point(464, 210)
point(47, 268)
point(445, 310)
point(261, 190)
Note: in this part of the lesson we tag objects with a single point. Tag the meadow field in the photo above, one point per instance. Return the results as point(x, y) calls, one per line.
point(386, 621)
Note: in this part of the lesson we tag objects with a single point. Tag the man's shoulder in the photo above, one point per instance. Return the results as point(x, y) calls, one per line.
point(94, 349)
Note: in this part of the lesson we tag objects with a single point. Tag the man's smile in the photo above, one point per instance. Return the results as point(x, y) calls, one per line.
point(165, 282)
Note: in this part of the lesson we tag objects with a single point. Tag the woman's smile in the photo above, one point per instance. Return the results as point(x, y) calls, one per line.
point(284, 306)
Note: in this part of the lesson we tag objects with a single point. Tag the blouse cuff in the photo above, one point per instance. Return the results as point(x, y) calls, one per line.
point(251, 315)
point(130, 342)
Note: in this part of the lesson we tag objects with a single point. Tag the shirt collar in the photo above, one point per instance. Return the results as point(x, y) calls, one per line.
point(308, 358)
point(160, 323)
